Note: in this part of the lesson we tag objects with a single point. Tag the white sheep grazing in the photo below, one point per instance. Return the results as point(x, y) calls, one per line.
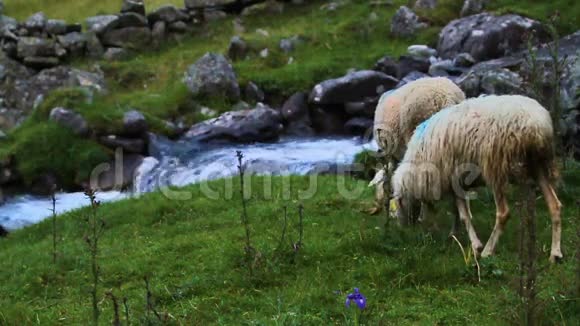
point(500, 135)
point(398, 114)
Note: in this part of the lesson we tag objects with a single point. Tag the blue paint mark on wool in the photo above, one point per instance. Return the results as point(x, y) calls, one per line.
point(422, 128)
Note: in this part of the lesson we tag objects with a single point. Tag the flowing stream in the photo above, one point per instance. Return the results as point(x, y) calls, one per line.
point(181, 163)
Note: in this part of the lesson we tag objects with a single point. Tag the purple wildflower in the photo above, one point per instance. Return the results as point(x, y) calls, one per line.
point(358, 298)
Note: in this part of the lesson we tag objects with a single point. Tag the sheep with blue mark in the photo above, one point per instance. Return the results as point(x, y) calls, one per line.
point(398, 114)
point(493, 138)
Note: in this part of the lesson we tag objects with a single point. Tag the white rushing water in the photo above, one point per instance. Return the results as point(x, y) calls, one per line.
point(179, 164)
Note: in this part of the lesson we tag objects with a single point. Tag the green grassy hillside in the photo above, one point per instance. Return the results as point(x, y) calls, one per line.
point(73, 10)
point(193, 253)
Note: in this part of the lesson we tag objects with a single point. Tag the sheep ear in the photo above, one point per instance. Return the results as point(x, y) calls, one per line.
point(379, 177)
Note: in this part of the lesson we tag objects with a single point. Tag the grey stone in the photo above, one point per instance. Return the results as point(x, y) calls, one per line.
point(212, 75)
point(168, 14)
point(112, 179)
point(36, 47)
point(238, 48)
point(7, 24)
point(470, 84)
point(411, 76)
point(267, 7)
point(405, 23)
point(159, 33)
point(408, 64)
point(253, 93)
point(425, 4)
point(501, 82)
point(116, 54)
point(352, 87)
point(36, 22)
point(71, 120)
point(213, 15)
point(359, 126)
point(128, 38)
point(100, 24)
point(259, 124)
point(387, 65)
point(472, 7)
point(296, 115)
point(128, 145)
point(134, 123)
point(41, 62)
point(421, 51)
point(464, 60)
point(136, 6)
point(445, 68)
point(192, 4)
point(129, 19)
point(56, 26)
point(178, 27)
point(486, 36)
point(94, 47)
point(288, 45)
point(75, 43)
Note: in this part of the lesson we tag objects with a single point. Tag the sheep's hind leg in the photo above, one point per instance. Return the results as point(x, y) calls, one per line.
point(555, 208)
point(465, 215)
point(501, 217)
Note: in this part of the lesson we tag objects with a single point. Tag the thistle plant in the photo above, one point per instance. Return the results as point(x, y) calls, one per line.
point(95, 229)
point(53, 211)
point(244, 216)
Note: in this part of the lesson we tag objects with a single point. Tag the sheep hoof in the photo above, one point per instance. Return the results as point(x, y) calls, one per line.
point(556, 259)
point(373, 210)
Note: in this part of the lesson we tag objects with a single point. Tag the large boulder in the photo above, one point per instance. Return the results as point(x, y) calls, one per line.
point(71, 120)
point(212, 75)
point(128, 38)
point(405, 23)
point(259, 124)
point(296, 115)
point(486, 36)
point(352, 87)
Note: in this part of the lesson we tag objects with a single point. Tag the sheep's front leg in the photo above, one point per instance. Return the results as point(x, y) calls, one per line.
point(465, 215)
point(456, 221)
point(501, 217)
point(555, 208)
